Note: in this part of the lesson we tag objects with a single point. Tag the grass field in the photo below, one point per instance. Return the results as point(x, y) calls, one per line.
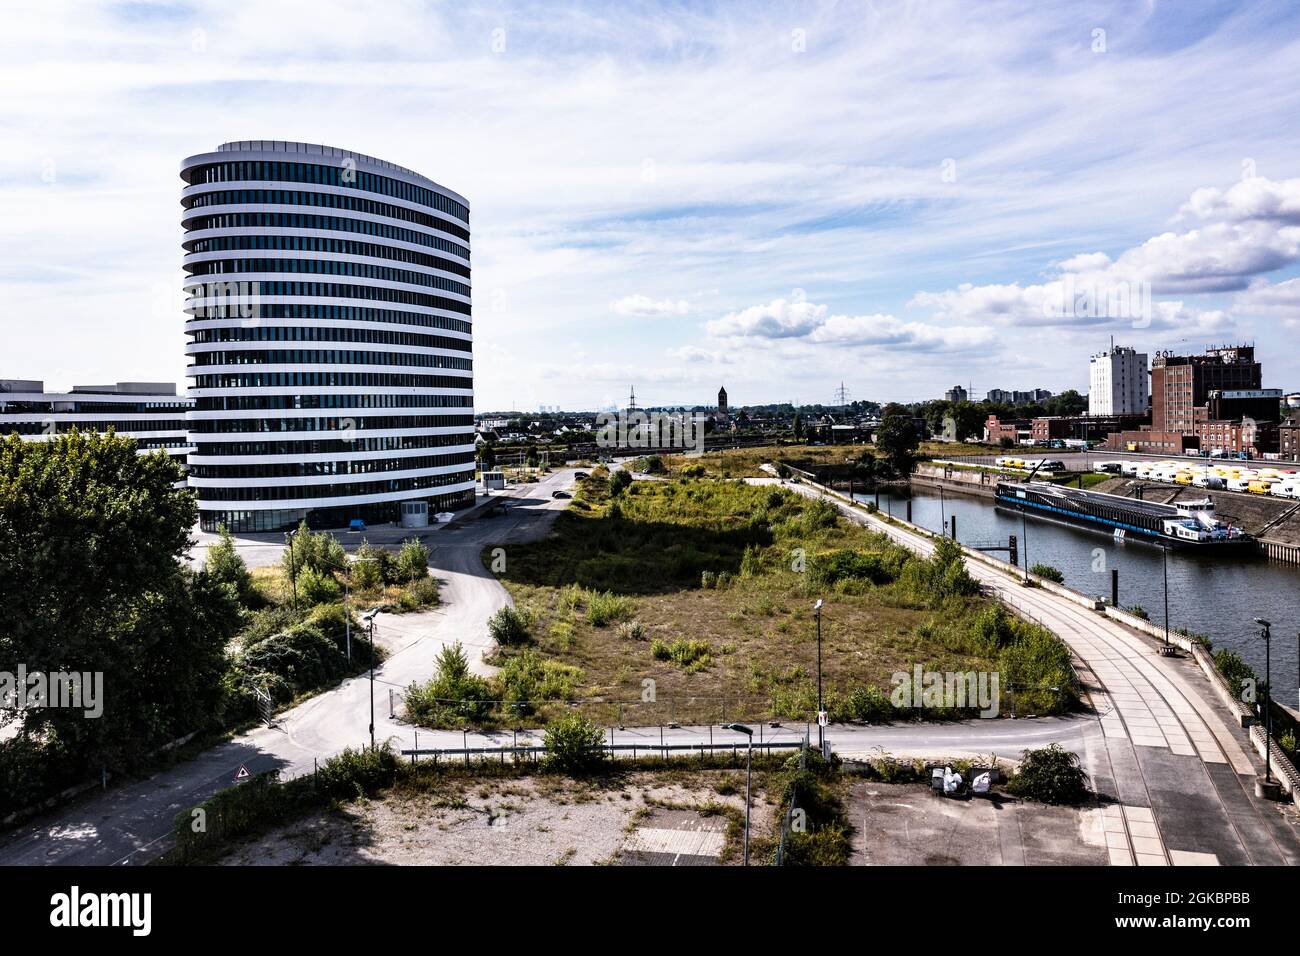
point(702, 590)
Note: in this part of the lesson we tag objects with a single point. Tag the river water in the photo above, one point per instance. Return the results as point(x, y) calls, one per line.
point(1217, 596)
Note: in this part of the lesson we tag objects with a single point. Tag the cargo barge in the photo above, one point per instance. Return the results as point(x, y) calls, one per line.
point(1186, 523)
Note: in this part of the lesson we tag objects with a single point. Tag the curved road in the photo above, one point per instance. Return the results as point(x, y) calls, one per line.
point(132, 823)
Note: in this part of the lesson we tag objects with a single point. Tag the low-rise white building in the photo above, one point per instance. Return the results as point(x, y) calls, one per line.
point(149, 412)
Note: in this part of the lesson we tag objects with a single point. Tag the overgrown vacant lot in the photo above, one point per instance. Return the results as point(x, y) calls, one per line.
point(745, 462)
point(706, 588)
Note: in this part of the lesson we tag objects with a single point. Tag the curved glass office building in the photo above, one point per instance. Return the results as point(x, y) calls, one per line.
point(330, 337)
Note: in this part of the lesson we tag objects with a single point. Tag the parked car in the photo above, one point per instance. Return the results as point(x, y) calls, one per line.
point(560, 494)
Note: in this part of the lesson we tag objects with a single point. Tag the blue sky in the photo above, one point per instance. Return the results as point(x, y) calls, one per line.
point(776, 197)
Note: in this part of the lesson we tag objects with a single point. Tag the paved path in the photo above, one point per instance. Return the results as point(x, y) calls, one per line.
point(1181, 773)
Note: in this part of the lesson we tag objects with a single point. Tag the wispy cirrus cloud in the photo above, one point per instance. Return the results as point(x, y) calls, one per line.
point(660, 149)
point(645, 306)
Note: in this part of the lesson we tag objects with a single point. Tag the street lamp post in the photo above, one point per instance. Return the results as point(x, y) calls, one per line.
point(1024, 538)
point(369, 618)
point(817, 612)
point(1165, 548)
point(1264, 629)
point(749, 774)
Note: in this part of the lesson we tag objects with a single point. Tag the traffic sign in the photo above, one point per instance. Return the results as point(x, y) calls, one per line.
point(822, 718)
point(243, 774)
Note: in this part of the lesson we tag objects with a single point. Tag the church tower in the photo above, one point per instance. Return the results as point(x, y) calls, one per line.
point(722, 401)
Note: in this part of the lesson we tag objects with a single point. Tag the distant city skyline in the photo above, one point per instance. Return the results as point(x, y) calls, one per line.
point(680, 200)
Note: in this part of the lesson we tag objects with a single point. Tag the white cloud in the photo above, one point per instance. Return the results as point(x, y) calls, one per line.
point(645, 306)
point(1091, 289)
point(778, 319)
point(807, 323)
point(1254, 198)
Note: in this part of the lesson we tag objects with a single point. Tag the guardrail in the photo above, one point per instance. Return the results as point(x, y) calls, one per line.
point(610, 750)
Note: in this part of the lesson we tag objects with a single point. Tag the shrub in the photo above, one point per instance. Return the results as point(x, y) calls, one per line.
point(1137, 610)
point(1048, 572)
point(319, 550)
point(618, 481)
point(606, 607)
point(224, 564)
point(1234, 670)
point(423, 591)
point(357, 773)
point(868, 704)
point(632, 631)
point(412, 561)
point(263, 801)
point(991, 630)
point(950, 574)
point(511, 626)
point(318, 587)
point(302, 658)
point(708, 580)
point(372, 567)
point(453, 697)
point(570, 597)
point(1034, 664)
point(574, 745)
point(1288, 743)
point(1050, 774)
point(829, 567)
point(527, 678)
point(690, 654)
point(332, 620)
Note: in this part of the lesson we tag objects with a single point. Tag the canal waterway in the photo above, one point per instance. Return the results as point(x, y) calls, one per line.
point(1218, 595)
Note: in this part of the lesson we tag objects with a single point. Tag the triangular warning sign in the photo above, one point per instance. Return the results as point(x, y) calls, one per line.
point(243, 773)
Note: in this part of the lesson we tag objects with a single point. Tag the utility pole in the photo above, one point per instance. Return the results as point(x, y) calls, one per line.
point(1265, 628)
point(817, 612)
point(369, 618)
point(1165, 549)
point(749, 775)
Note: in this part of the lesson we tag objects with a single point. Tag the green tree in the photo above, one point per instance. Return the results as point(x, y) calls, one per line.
point(798, 427)
point(487, 456)
point(224, 565)
point(412, 561)
point(897, 440)
point(92, 536)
